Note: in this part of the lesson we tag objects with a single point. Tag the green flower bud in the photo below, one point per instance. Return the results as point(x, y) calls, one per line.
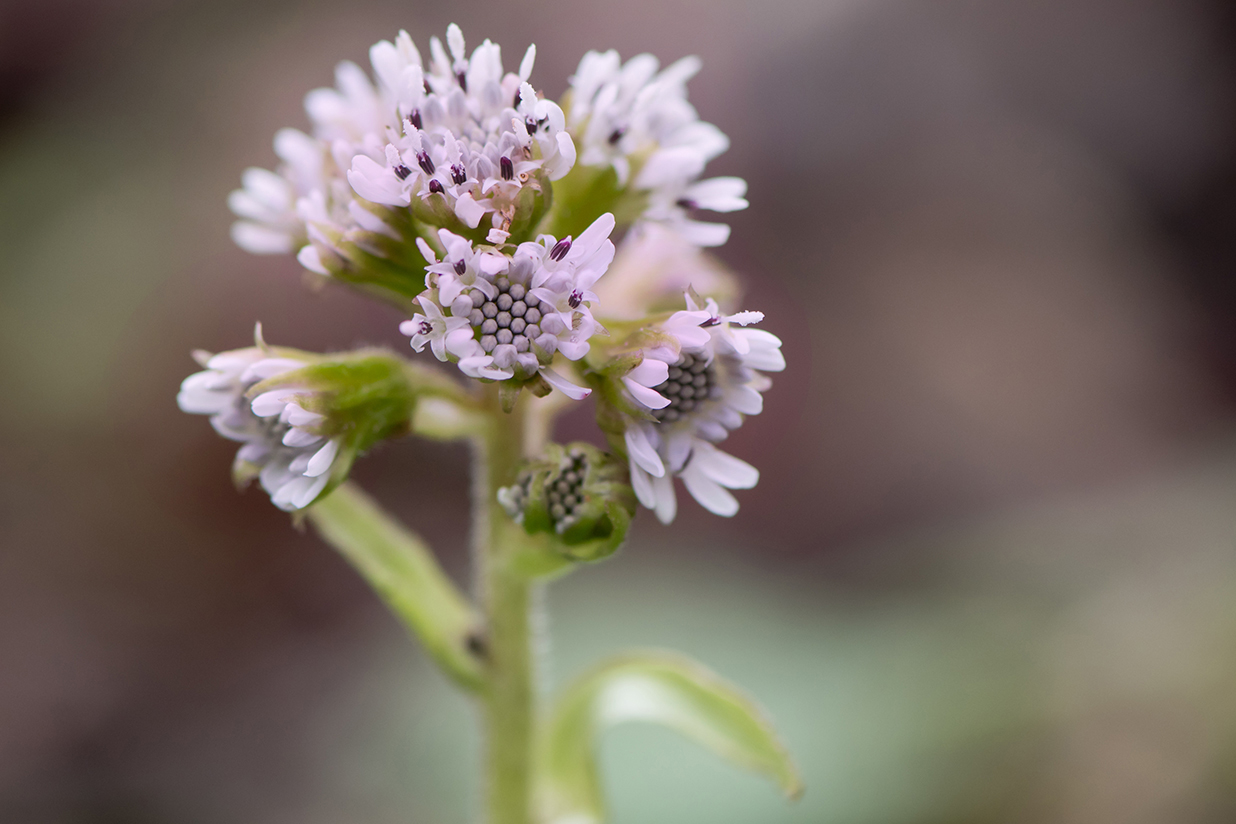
point(576, 493)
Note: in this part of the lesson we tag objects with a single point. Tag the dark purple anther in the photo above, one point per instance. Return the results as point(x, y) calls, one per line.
point(507, 167)
point(415, 118)
point(687, 203)
point(463, 80)
point(402, 172)
point(458, 174)
point(530, 125)
point(435, 187)
point(426, 327)
point(714, 321)
point(425, 162)
point(575, 299)
point(425, 83)
point(460, 267)
point(616, 135)
point(560, 249)
point(518, 99)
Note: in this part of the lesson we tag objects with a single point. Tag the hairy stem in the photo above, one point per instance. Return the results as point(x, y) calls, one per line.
point(506, 598)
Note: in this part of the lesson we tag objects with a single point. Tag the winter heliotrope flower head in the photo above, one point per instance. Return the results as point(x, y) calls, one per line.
point(688, 382)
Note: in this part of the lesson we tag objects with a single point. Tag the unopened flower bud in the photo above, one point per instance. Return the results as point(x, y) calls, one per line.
point(577, 493)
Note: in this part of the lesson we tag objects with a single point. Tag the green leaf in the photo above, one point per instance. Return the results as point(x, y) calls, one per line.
point(662, 688)
point(404, 572)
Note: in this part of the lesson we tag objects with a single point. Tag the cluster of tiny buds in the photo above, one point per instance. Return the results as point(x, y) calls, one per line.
point(563, 493)
point(513, 316)
point(566, 493)
point(691, 381)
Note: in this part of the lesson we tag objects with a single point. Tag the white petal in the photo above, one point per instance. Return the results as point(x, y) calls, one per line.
point(468, 210)
point(300, 437)
point(640, 448)
point(772, 361)
point(426, 251)
point(375, 182)
point(455, 41)
point(648, 397)
point(268, 368)
point(710, 495)
point(719, 194)
point(261, 240)
point(272, 402)
point(704, 234)
point(641, 482)
point(745, 400)
point(370, 222)
point(650, 372)
point(575, 393)
point(492, 264)
point(322, 459)
point(724, 468)
point(525, 65)
point(311, 259)
point(667, 502)
point(296, 415)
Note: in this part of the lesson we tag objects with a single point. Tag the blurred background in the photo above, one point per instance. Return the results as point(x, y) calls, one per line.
point(989, 574)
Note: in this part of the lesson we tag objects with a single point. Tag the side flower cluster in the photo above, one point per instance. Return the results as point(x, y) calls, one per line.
point(283, 445)
point(637, 120)
point(698, 374)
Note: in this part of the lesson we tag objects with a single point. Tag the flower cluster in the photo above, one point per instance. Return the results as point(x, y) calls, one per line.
point(491, 212)
point(283, 443)
point(637, 120)
point(697, 374)
point(504, 316)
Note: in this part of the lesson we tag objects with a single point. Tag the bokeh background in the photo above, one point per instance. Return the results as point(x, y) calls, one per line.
point(989, 574)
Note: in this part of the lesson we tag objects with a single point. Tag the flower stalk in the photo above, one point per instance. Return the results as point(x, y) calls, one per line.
point(507, 599)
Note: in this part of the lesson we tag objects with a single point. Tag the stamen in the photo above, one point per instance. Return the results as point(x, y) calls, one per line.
point(616, 135)
point(508, 168)
point(402, 172)
point(530, 125)
point(462, 77)
point(687, 203)
point(435, 186)
point(560, 249)
point(575, 299)
point(415, 118)
point(458, 174)
point(460, 267)
point(425, 161)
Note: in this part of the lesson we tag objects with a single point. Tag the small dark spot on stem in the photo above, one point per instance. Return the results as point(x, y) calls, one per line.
point(477, 645)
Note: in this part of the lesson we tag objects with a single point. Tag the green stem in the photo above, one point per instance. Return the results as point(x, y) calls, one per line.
point(506, 598)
